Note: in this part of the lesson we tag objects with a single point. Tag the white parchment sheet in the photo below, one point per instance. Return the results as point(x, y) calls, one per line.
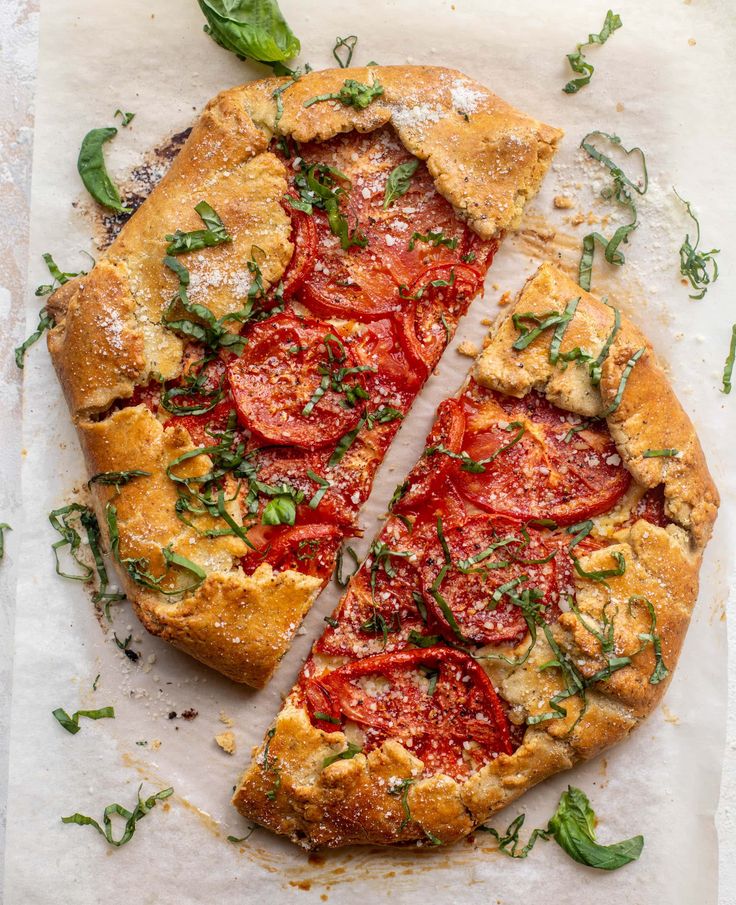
point(665, 82)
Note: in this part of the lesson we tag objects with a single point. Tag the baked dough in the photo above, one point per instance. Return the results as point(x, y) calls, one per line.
point(349, 801)
point(486, 158)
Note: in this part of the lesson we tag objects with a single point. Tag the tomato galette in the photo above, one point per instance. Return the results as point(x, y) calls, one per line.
point(525, 602)
point(239, 360)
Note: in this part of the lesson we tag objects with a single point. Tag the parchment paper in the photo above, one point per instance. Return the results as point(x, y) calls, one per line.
point(664, 82)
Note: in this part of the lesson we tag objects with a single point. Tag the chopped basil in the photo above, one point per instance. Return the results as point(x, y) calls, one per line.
point(423, 640)
point(125, 118)
point(344, 49)
point(213, 234)
point(700, 267)
point(573, 828)
point(399, 181)
point(401, 787)
point(253, 29)
point(326, 718)
point(602, 574)
point(382, 415)
point(271, 765)
point(347, 754)
point(92, 169)
point(728, 367)
point(238, 839)
point(596, 366)
point(71, 723)
point(116, 479)
point(432, 238)
point(656, 453)
point(94, 684)
point(4, 526)
point(340, 577)
point(61, 521)
point(559, 333)
point(131, 817)
point(629, 367)
point(45, 322)
point(542, 322)
point(660, 671)
point(437, 284)
point(577, 60)
point(620, 191)
point(59, 276)
point(321, 186)
point(477, 466)
point(324, 486)
point(352, 94)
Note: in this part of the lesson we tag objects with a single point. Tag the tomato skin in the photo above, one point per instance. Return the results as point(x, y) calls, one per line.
point(277, 375)
point(468, 596)
point(304, 238)
point(378, 346)
point(456, 729)
point(651, 508)
point(198, 425)
point(448, 431)
point(309, 549)
point(540, 476)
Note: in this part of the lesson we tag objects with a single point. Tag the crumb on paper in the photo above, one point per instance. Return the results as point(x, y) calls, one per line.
point(504, 300)
point(577, 219)
point(189, 714)
point(620, 107)
point(563, 202)
point(155, 744)
point(494, 286)
point(487, 322)
point(225, 719)
point(468, 348)
point(226, 740)
point(669, 716)
point(692, 42)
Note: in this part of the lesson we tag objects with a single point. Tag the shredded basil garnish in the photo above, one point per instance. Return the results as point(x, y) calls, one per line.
point(92, 169)
point(340, 577)
point(125, 118)
point(71, 723)
point(577, 60)
point(235, 840)
point(596, 366)
point(344, 49)
point(131, 817)
point(382, 415)
point(352, 94)
point(660, 671)
point(117, 479)
point(433, 238)
point(253, 29)
point(399, 181)
point(622, 383)
point(477, 466)
point(61, 521)
point(321, 186)
point(324, 486)
point(508, 841)
point(620, 191)
point(271, 765)
point(657, 453)
point(213, 234)
point(347, 754)
point(59, 277)
point(700, 267)
point(728, 368)
point(4, 526)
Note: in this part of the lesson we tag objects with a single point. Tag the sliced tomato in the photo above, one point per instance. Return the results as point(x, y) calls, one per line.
point(437, 702)
point(651, 508)
point(379, 610)
point(487, 558)
point(148, 395)
point(201, 427)
point(310, 549)
point(276, 377)
point(340, 501)
point(541, 476)
point(304, 239)
point(447, 431)
point(393, 380)
point(426, 329)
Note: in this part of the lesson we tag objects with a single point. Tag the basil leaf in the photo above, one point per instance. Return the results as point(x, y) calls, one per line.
point(399, 181)
point(700, 267)
point(344, 49)
point(125, 118)
point(656, 453)
point(255, 29)
point(508, 841)
point(728, 368)
point(58, 275)
point(624, 380)
point(116, 479)
point(433, 238)
point(92, 169)
point(71, 723)
point(340, 577)
point(577, 60)
point(348, 754)
point(237, 839)
point(4, 526)
point(45, 322)
point(213, 234)
point(281, 510)
point(573, 829)
point(352, 94)
point(131, 817)
point(321, 186)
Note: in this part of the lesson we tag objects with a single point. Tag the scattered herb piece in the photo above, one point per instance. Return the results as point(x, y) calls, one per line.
point(596, 367)
point(94, 684)
point(59, 276)
point(700, 267)
point(477, 466)
point(61, 520)
point(116, 479)
point(660, 670)
point(508, 841)
point(131, 817)
point(340, 577)
point(344, 49)
point(432, 238)
point(281, 510)
point(382, 415)
point(656, 453)
point(92, 169)
point(236, 840)
point(125, 118)
point(352, 94)
point(577, 60)
point(321, 186)
point(348, 754)
point(253, 29)
point(71, 723)
point(324, 486)
point(620, 191)
point(213, 234)
point(4, 526)
point(622, 383)
point(728, 368)
point(270, 765)
point(399, 181)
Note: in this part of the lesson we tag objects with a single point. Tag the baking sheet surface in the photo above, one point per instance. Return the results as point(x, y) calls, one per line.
point(663, 82)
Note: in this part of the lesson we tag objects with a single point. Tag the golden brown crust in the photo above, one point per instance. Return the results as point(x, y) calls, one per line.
point(350, 801)
point(109, 337)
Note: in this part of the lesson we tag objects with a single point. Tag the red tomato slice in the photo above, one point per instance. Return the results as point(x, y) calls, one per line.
point(199, 425)
point(651, 508)
point(363, 282)
point(447, 430)
point(540, 476)
point(377, 345)
point(339, 503)
point(309, 549)
point(469, 595)
point(304, 238)
point(277, 375)
point(437, 702)
point(379, 611)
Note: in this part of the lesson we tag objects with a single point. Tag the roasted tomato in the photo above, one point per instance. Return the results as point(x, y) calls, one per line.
point(304, 238)
point(437, 702)
point(309, 549)
point(296, 383)
point(651, 508)
point(540, 471)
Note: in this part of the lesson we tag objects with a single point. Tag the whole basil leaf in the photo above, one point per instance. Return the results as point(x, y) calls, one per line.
point(250, 28)
point(92, 169)
point(399, 181)
point(573, 828)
